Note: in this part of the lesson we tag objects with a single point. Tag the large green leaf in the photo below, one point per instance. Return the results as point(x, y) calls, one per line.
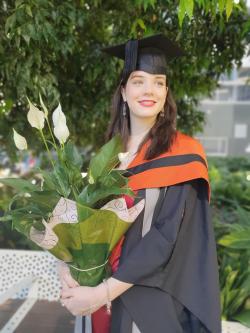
point(75, 179)
point(114, 178)
point(19, 184)
point(230, 279)
point(243, 318)
point(92, 194)
point(105, 160)
point(229, 7)
point(49, 180)
point(71, 155)
point(236, 299)
point(237, 240)
point(22, 224)
point(57, 180)
point(181, 11)
point(31, 211)
point(222, 5)
point(113, 183)
point(189, 6)
point(62, 181)
point(45, 200)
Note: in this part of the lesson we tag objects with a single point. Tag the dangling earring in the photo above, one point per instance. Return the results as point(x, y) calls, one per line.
point(162, 114)
point(124, 109)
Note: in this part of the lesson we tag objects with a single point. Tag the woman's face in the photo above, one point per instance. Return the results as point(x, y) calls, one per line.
point(145, 94)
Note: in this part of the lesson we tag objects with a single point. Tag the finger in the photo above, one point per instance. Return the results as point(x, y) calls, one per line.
point(63, 290)
point(64, 285)
point(67, 293)
point(72, 283)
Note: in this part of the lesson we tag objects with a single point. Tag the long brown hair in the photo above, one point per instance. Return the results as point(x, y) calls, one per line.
point(162, 134)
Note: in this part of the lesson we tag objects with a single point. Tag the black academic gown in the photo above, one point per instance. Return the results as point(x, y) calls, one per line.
point(173, 267)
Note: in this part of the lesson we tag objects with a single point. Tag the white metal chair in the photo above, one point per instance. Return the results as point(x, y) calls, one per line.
point(31, 276)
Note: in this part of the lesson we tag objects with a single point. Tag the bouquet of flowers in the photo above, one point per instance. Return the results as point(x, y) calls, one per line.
point(78, 217)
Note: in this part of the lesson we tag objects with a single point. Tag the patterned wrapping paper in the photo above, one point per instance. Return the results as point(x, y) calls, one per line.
point(84, 237)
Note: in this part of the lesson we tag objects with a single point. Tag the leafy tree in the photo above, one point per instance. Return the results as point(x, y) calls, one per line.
point(54, 47)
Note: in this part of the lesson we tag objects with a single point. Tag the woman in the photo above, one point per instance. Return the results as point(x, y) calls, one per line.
point(165, 274)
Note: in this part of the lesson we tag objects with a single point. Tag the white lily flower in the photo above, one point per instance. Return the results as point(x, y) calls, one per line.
point(35, 116)
point(84, 174)
point(123, 156)
point(61, 132)
point(20, 141)
point(58, 116)
point(45, 110)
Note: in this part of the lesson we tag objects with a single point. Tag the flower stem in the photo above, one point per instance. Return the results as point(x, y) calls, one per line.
point(51, 133)
point(47, 148)
point(74, 192)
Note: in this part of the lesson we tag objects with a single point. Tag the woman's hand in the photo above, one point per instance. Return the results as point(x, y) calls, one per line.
point(86, 300)
point(83, 300)
point(65, 277)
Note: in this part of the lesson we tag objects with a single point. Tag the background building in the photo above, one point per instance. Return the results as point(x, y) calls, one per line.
point(227, 129)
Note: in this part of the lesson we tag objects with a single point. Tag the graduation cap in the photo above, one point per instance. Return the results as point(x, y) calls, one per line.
point(150, 54)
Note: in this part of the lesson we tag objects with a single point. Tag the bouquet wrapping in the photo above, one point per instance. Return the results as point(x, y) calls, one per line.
point(86, 244)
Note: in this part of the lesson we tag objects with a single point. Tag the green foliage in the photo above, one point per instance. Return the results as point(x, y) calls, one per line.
point(55, 48)
point(231, 217)
point(186, 7)
point(237, 240)
point(21, 185)
point(104, 161)
point(74, 231)
point(235, 287)
point(229, 183)
point(104, 181)
point(243, 317)
point(12, 239)
point(32, 204)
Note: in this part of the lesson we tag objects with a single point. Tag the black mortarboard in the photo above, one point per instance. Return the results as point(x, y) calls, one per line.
point(149, 54)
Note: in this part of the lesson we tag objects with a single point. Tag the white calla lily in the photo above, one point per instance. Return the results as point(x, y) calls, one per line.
point(58, 116)
point(123, 156)
point(20, 141)
point(84, 174)
point(61, 132)
point(45, 110)
point(35, 116)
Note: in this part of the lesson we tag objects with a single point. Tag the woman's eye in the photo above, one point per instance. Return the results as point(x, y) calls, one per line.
point(160, 83)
